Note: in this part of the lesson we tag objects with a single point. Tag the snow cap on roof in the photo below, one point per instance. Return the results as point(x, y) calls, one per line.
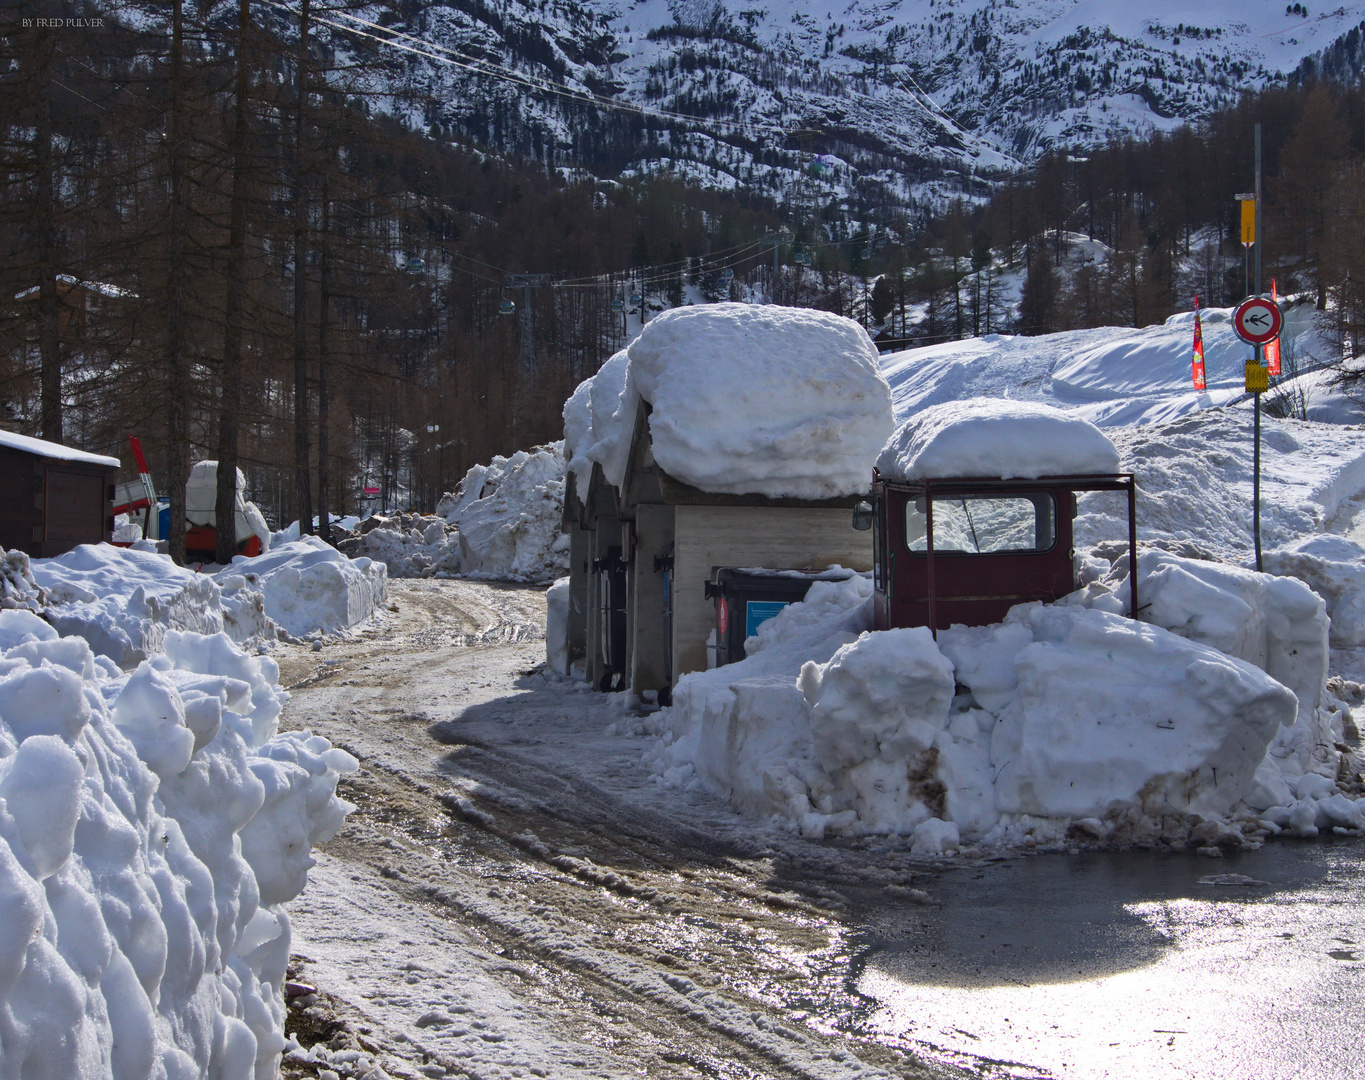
point(762, 400)
point(55, 451)
point(997, 438)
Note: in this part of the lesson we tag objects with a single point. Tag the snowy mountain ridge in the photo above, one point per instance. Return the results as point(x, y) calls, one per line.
point(863, 105)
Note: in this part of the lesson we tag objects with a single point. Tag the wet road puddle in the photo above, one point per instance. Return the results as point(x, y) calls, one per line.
point(1131, 965)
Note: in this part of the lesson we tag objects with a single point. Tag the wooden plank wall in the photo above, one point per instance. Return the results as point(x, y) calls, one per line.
point(785, 539)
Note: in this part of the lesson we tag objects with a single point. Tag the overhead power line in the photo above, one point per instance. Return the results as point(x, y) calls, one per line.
point(454, 58)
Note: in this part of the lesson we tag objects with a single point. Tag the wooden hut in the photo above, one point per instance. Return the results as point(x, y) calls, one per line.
point(672, 536)
point(55, 497)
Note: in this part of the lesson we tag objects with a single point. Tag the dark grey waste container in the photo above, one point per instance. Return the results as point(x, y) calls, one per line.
point(746, 597)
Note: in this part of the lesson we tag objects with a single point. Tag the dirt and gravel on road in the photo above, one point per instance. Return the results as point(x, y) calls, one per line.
point(516, 895)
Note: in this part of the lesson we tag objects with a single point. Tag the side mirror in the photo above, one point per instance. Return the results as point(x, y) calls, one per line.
point(862, 516)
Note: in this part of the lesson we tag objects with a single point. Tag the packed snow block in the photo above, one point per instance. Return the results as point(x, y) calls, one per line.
point(878, 708)
point(995, 437)
point(309, 587)
point(885, 694)
point(1276, 623)
point(759, 399)
point(754, 745)
point(509, 515)
point(1334, 568)
point(557, 626)
point(1109, 714)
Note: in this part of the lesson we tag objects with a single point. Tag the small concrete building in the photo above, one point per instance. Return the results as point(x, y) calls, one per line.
point(676, 534)
point(596, 639)
point(55, 497)
point(734, 437)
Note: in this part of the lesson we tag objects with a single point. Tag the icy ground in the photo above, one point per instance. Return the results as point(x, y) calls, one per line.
point(514, 896)
point(528, 902)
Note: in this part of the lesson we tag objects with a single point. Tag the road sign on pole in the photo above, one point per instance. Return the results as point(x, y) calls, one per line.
point(1248, 219)
point(1257, 320)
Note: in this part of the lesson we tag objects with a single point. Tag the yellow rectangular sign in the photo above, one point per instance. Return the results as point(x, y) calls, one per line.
point(1248, 221)
point(1258, 378)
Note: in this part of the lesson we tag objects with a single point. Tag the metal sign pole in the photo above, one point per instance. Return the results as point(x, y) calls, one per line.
point(1256, 397)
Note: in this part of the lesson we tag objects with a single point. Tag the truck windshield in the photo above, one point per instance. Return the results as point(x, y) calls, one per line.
point(983, 524)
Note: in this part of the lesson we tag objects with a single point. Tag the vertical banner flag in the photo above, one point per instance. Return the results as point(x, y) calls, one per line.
point(1272, 348)
point(1198, 369)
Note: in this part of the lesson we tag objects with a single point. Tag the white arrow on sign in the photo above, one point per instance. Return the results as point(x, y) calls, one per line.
point(1257, 320)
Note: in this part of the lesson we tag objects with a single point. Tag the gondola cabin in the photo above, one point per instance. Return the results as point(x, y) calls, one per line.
point(965, 548)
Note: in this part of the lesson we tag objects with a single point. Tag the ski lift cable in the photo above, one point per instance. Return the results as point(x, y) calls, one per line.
point(661, 271)
point(501, 71)
point(443, 54)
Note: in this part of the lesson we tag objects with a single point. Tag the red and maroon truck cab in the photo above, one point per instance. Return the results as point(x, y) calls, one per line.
point(966, 550)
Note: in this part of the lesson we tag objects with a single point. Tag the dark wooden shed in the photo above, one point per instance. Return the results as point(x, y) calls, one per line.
point(54, 497)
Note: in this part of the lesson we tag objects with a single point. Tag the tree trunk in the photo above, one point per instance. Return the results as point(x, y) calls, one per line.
point(225, 505)
point(324, 299)
point(302, 478)
point(177, 363)
point(45, 210)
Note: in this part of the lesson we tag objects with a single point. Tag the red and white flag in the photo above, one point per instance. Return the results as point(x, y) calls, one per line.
point(1198, 369)
point(1272, 348)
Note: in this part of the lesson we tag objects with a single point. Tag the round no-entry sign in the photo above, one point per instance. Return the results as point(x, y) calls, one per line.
point(1257, 321)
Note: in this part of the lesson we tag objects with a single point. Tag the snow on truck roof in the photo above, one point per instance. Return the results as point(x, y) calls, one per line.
point(55, 451)
point(997, 438)
point(747, 399)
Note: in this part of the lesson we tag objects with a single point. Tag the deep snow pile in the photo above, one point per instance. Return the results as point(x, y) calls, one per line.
point(502, 523)
point(993, 437)
point(1207, 722)
point(309, 587)
point(124, 601)
point(151, 823)
point(746, 399)
point(1194, 482)
point(1110, 375)
point(1334, 567)
point(409, 545)
point(1063, 718)
point(508, 514)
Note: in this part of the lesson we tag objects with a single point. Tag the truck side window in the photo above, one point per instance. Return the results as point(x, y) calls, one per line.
point(984, 524)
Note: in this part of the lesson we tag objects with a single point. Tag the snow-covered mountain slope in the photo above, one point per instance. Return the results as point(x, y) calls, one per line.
point(859, 105)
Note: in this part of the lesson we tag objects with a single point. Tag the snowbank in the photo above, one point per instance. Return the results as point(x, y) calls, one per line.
point(1194, 482)
point(1334, 568)
point(508, 514)
point(757, 399)
point(309, 587)
point(1207, 725)
point(142, 932)
point(124, 601)
point(994, 437)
